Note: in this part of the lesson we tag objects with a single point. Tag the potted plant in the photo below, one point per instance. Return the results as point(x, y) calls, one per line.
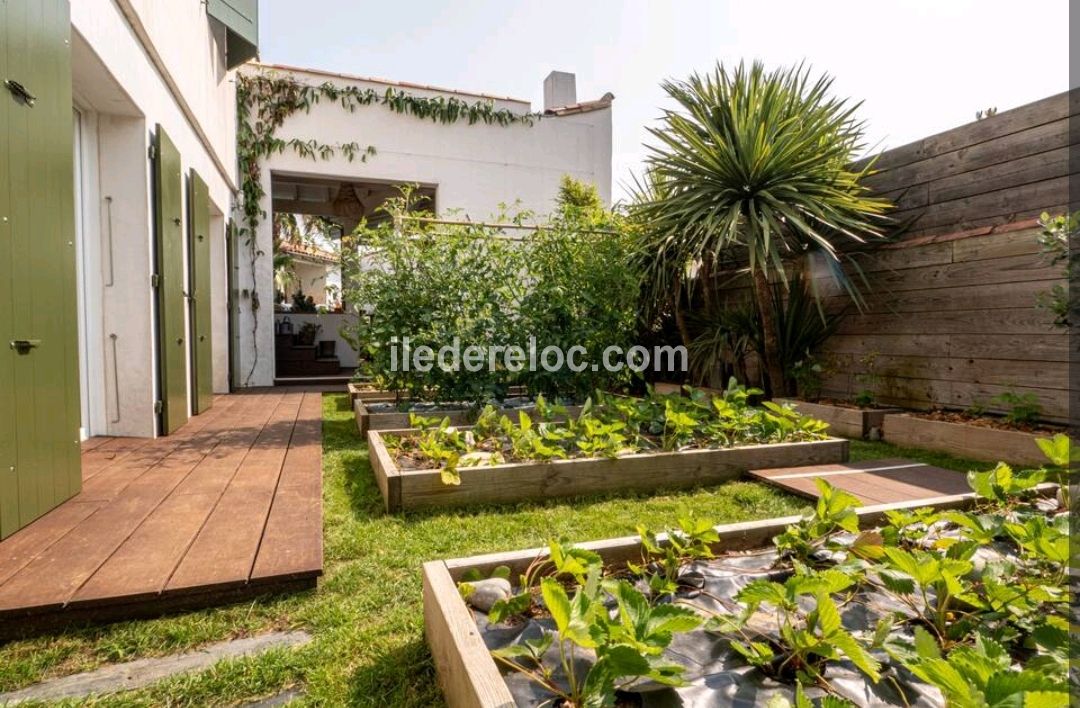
point(307, 333)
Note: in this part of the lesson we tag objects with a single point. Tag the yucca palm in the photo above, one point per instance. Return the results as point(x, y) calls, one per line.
point(756, 165)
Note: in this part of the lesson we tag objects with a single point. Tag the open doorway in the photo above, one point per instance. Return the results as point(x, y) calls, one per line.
point(312, 218)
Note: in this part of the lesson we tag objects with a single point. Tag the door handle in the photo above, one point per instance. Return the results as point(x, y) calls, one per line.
point(20, 93)
point(23, 346)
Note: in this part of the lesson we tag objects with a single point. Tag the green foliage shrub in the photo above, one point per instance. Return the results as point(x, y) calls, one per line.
point(569, 283)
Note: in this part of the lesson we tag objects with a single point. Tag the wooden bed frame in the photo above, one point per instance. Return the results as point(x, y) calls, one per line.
point(528, 481)
point(467, 674)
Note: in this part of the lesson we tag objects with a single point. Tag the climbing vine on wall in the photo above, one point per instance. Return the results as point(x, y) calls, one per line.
point(266, 99)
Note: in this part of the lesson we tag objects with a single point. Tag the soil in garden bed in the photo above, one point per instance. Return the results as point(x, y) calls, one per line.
point(986, 421)
point(850, 405)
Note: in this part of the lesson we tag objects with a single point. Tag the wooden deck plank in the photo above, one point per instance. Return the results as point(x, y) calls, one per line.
point(143, 564)
point(94, 442)
point(23, 547)
point(241, 513)
point(51, 578)
point(142, 454)
point(229, 506)
point(872, 482)
point(291, 545)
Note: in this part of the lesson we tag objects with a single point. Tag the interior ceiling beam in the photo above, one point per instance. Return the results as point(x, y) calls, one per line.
point(292, 206)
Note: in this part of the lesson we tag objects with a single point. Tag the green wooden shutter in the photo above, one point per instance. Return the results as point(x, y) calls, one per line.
point(39, 380)
point(232, 260)
point(9, 485)
point(241, 20)
point(172, 350)
point(202, 383)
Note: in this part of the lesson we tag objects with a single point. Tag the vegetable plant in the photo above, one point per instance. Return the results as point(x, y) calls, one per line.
point(973, 604)
point(1021, 408)
point(608, 425)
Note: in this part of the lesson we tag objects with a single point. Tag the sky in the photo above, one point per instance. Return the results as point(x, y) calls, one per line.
point(918, 66)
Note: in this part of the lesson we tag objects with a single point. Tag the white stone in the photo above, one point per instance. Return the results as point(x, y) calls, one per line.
point(487, 592)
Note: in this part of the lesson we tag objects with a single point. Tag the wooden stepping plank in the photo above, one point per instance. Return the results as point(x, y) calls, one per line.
point(821, 470)
point(224, 552)
point(872, 482)
point(292, 542)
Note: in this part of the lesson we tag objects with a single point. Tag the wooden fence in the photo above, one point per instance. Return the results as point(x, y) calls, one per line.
point(952, 320)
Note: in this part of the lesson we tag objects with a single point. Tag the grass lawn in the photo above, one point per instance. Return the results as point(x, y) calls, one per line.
point(366, 618)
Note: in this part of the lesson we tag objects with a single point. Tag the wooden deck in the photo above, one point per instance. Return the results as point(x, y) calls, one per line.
point(228, 507)
point(873, 481)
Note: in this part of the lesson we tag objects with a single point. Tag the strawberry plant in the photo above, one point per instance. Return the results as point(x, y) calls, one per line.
point(958, 608)
point(808, 638)
point(664, 560)
point(608, 426)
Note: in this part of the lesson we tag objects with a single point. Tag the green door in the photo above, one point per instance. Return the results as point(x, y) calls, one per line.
point(169, 246)
point(39, 369)
point(202, 374)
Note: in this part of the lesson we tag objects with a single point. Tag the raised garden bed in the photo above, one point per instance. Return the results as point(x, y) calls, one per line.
point(386, 413)
point(368, 392)
point(702, 575)
point(615, 443)
point(408, 489)
point(847, 421)
point(976, 442)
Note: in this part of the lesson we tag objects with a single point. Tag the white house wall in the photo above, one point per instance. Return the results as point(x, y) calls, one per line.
point(193, 98)
point(473, 167)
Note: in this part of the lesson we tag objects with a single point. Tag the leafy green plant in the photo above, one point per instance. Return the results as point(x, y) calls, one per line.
point(936, 580)
point(608, 426)
point(583, 287)
point(807, 638)
point(665, 559)
point(981, 674)
point(628, 644)
point(1022, 408)
point(983, 627)
point(1056, 243)
point(808, 375)
point(1003, 485)
point(834, 511)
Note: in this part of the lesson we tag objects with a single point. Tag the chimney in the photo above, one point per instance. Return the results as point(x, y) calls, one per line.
point(560, 89)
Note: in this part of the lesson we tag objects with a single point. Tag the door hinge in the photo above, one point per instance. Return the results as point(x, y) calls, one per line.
point(155, 280)
point(158, 407)
point(152, 152)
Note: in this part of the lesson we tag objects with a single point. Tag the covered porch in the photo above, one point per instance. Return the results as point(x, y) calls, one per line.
point(228, 507)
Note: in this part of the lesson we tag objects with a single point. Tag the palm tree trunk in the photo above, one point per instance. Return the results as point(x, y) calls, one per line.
point(771, 344)
point(680, 319)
